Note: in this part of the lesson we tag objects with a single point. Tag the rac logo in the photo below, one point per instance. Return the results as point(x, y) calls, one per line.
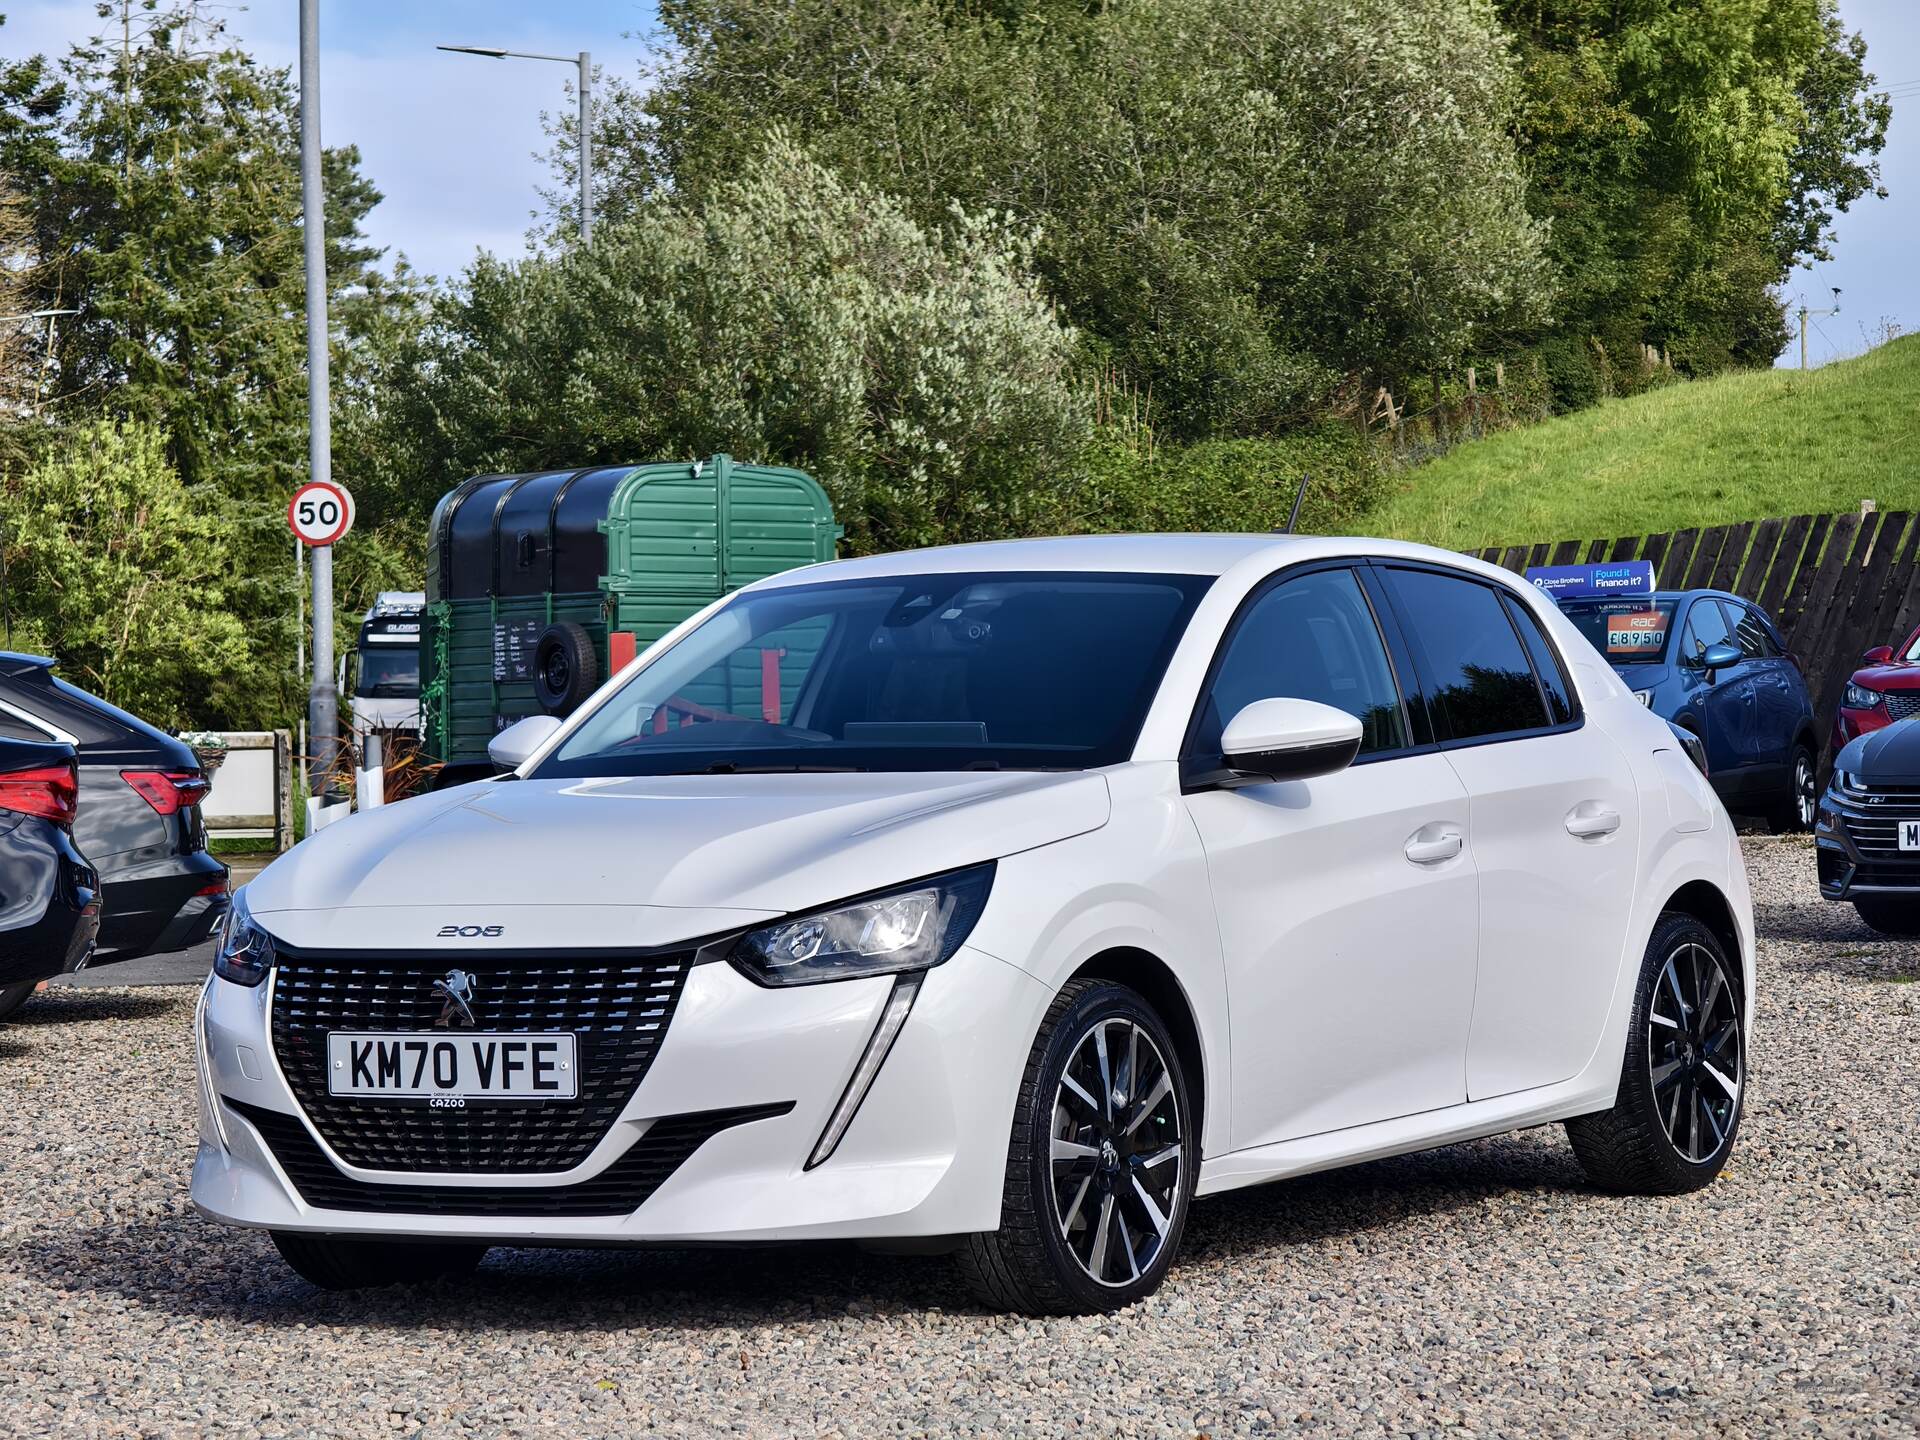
point(471, 932)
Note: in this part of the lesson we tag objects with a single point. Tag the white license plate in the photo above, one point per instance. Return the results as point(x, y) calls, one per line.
point(1910, 834)
point(465, 1066)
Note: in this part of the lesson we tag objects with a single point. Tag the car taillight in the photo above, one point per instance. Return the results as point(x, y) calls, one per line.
point(50, 791)
point(167, 791)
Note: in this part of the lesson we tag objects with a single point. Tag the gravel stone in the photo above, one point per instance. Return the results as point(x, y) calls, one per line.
point(1479, 1290)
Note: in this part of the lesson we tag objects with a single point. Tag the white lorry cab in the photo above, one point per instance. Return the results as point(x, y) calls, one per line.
point(386, 664)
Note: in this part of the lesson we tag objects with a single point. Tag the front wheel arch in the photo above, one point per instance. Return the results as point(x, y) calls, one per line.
point(1153, 978)
point(1704, 901)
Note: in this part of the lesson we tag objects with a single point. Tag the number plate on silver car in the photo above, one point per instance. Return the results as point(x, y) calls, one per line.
point(467, 1066)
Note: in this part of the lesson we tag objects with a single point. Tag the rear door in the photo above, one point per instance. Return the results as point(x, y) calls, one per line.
point(1554, 825)
point(1722, 701)
point(1778, 689)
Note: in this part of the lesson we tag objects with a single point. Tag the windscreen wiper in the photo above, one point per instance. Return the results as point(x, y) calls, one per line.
point(729, 767)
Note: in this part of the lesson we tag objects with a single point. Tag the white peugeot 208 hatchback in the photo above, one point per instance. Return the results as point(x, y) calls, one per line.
point(1003, 899)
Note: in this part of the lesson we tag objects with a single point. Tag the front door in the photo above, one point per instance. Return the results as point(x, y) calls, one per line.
point(1347, 903)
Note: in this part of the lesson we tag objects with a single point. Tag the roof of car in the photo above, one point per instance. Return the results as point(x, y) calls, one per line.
point(1673, 596)
point(1188, 554)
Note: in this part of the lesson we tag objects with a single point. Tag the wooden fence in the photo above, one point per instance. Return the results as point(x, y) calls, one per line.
point(1834, 584)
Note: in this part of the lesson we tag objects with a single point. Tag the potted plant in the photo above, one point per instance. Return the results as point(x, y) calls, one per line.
point(209, 748)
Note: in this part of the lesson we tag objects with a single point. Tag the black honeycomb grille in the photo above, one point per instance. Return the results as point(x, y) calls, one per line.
point(620, 1189)
point(617, 1006)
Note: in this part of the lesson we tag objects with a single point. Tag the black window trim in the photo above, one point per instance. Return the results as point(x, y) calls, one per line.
point(1708, 597)
point(1500, 593)
point(1200, 772)
point(1511, 603)
point(1745, 612)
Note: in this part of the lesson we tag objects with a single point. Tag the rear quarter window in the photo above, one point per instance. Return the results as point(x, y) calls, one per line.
point(1477, 672)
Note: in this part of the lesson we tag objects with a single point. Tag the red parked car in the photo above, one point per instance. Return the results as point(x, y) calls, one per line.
point(1885, 689)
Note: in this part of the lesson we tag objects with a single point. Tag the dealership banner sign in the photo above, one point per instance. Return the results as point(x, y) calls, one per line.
point(1613, 579)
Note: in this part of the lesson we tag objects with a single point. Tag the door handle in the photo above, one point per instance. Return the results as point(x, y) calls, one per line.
point(1590, 820)
point(1434, 844)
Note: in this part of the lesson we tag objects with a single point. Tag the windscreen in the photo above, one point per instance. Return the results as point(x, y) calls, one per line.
point(1626, 632)
point(389, 672)
point(939, 672)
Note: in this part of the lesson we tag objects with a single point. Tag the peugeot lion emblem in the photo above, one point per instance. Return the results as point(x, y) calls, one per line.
point(456, 1001)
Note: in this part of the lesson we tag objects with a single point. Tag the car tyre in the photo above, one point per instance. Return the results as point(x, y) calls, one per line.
point(1794, 814)
point(566, 669)
point(1683, 1083)
point(347, 1262)
point(12, 997)
point(1090, 1218)
point(1889, 914)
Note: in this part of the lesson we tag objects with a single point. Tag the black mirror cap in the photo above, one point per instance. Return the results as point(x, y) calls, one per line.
point(1261, 767)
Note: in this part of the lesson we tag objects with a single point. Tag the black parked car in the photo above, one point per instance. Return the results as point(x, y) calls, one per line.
point(139, 821)
point(1867, 835)
point(49, 895)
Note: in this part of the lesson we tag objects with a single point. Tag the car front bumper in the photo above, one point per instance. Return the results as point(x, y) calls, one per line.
point(1855, 851)
point(925, 1154)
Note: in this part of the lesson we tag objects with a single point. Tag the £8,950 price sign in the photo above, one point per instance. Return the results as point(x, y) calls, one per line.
point(320, 512)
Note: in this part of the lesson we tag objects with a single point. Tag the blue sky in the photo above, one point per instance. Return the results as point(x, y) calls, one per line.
point(452, 140)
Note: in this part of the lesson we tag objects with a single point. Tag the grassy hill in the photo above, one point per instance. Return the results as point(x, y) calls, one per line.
point(1739, 447)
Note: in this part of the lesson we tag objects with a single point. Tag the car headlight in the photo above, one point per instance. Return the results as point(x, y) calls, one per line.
point(1859, 697)
point(1847, 782)
point(245, 952)
point(911, 927)
point(1645, 697)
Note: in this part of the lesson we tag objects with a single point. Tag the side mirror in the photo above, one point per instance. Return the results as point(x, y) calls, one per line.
point(1289, 740)
point(1878, 655)
point(514, 746)
point(1721, 657)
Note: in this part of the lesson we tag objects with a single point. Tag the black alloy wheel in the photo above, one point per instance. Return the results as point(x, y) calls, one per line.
point(1116, 1154)
point(1695, 1056)
point(1683, 1078)
point(1100, 1165)
point(1796, 810)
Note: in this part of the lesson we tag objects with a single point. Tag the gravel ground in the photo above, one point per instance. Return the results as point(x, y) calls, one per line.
point(1482, 1289)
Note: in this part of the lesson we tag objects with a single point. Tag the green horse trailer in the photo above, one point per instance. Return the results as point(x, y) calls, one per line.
point(540, 586)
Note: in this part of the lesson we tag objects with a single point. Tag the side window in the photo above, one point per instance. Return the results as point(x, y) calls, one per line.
point(1706, 627)
point(1482, 682)
point(1756, 640)
point(1313, 638)
point(12, 727)
point(1546, 662)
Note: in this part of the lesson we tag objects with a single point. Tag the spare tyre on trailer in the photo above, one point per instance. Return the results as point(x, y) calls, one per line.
point(540, 586)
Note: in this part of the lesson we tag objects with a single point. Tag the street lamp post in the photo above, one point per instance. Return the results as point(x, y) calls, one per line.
point(323, 698)
point(585, 61)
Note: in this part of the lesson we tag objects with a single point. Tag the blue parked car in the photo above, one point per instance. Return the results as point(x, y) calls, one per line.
point(1716, 666)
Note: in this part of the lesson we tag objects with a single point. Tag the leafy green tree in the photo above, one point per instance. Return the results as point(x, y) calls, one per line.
point(780, 314)
point(159, 165)
point(1244, 207)
point(121, 570)
point(1687, 154)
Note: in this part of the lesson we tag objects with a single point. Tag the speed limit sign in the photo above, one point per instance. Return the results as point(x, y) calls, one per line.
point(320, 512)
